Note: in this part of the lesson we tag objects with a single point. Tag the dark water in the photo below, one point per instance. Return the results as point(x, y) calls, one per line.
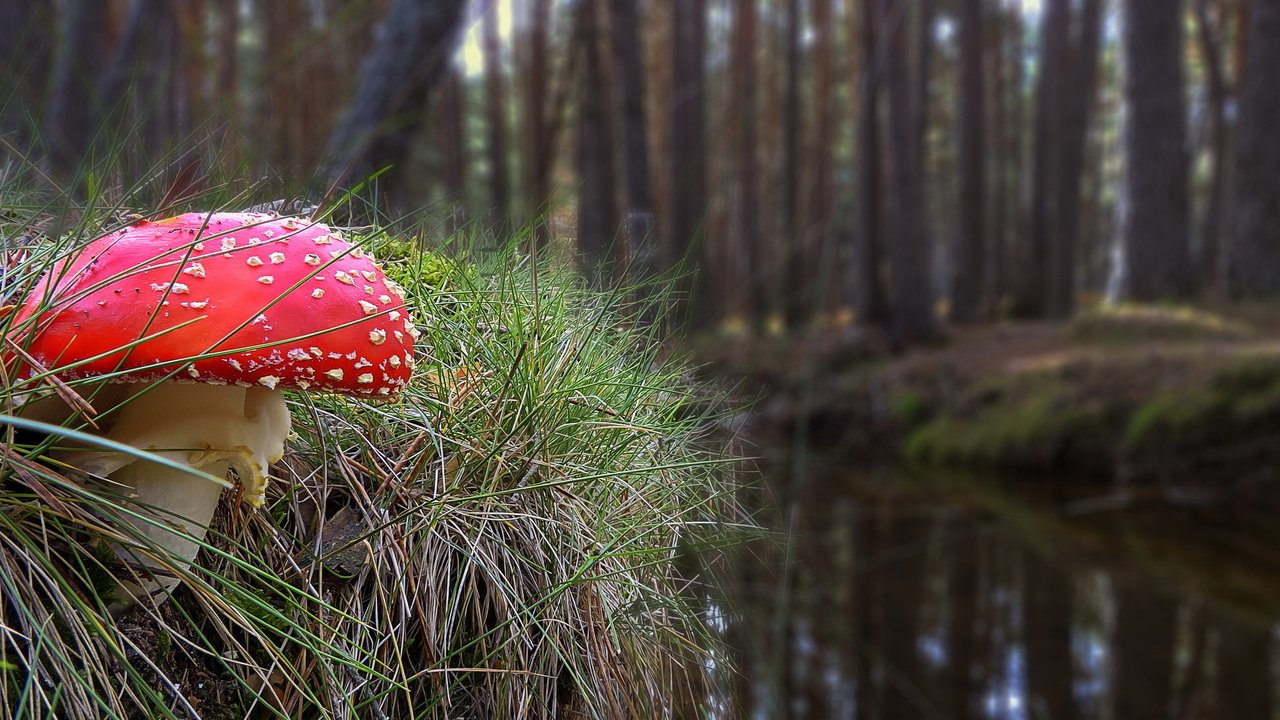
point(949, 597)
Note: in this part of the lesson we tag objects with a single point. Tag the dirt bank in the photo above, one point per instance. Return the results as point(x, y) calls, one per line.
point(1133, 393)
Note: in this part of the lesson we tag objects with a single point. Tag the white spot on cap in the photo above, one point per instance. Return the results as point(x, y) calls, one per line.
point(323, 240)
point(363, 363)
point(195, 270)
point(255, 241)
point(317, 293)
point(277, 258)
point(384, 299)
point(180, 289)
point(228, 243)
point(357, 253)
point(298, 354)
point(193, 372)
point(365, 378)
point(334, 374)
point(266, 279)
point(369, 275)
point(269, 381)
point(384, 390)
point(342, 277)
point(368, 307)
point(335, 254)
point(394, 315)
point(377, 337)
point(312, 259)
point(316, 352)
point(198, 246)
point(253, 261)
point(102, 303)
point(368, 289)
point(394, 361)
point(235, 364)
point(196, 304)
point(270, 233)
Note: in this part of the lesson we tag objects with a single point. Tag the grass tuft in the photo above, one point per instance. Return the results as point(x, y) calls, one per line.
point(503, 542)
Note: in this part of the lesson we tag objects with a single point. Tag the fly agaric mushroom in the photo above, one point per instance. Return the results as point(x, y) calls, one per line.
point(204, 319)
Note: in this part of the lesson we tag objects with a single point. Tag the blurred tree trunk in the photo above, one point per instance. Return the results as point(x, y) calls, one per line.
point(745, 233)
point(72, 111)
point(1143, 651)
point(413, 47)
point(1034, 252)
point(1255, 265)
point(629, 62)
point(1153, 227)
point(824, 285)
point(1015, 162)
point(1080, 70)
point(226, 85)
point(598, 217)
point(912, 300)
point(798, 275)
point(496, 111)
point(1209, 36)
point(687, 163)
point(969, 260)
point(902, 568)
point(26, 39)
point(998, 176)
point(535, 165)
point(1047, 600)
point(870, 303)
point(451, 144)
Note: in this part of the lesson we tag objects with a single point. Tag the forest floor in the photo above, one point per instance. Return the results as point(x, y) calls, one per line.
point(1123, 393)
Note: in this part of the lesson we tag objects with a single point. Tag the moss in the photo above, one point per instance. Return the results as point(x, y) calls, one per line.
point(1040, 428)
point(1239, 404)
point(907, 409)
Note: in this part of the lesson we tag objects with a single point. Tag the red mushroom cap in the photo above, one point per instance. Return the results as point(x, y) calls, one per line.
point(277, 302)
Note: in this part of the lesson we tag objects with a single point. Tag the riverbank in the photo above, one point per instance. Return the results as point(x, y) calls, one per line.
point(1124, 394)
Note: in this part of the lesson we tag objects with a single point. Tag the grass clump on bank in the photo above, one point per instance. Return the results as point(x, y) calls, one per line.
point(500, 543)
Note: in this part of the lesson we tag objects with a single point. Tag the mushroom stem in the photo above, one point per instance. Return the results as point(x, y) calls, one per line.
point(212, 428)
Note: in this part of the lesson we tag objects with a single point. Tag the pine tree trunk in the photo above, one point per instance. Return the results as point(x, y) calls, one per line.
point(639, 219)
point(411, 53)
point(687, 163)
point(1255, 247)
point(870, 302)
point(496, 117)
point(912, 317)
point(72, 112)
point(1153, 229)
point(798, 275)
point(450, 136)
point(1212, 226)
point(597, 214)
point(746, 225)
point(1078, 90)
point(26, 37)
point(969, 260)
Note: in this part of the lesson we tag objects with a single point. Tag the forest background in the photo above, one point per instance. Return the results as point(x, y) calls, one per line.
point(821, 163)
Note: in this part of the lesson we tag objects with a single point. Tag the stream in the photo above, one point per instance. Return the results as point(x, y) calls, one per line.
point(880, 594)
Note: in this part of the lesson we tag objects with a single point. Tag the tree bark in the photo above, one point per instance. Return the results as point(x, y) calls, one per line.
point(496, 111)
point(746, 225)
point(71, 115)
point(1034, 252)
point(1153, 227)
point(26, 37)
point(824, 285)
point(414, 44)
point(639, 219)
point(1080, 71)
point(687, 164)
point(969, 260)
point(537, 134)
point(1255, 251)
point(451, 144)
point(797, 275)
point(598, 223)
point(870, 302)
point(1209, 37)
point(912, 316)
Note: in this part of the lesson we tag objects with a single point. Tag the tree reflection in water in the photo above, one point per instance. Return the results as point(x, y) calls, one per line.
point(951, 598)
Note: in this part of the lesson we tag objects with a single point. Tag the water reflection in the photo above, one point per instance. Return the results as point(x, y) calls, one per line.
point(950, 598)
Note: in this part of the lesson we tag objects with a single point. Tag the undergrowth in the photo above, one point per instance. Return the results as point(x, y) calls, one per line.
point(502, 542)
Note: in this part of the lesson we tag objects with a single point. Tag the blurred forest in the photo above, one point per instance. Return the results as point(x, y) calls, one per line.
point(822, 162)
